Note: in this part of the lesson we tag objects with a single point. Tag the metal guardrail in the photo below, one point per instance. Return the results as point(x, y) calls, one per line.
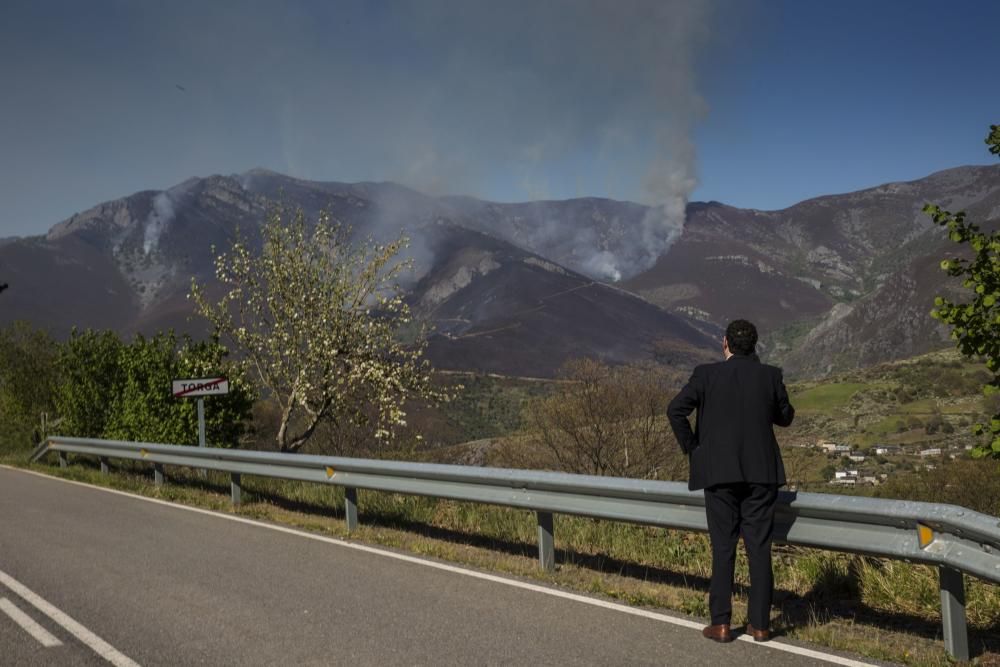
point(954, 539)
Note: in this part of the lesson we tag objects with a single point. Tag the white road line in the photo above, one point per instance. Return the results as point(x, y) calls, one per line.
point(28, 624)
point(92, 641)
point(634, 611)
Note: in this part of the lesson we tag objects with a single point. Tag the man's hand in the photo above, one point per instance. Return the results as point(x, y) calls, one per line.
point(784, 413)
point(685, 403)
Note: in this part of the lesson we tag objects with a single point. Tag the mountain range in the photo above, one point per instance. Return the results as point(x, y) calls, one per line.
point(836, 282)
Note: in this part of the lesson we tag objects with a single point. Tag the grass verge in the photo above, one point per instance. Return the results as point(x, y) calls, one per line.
point(881, 609)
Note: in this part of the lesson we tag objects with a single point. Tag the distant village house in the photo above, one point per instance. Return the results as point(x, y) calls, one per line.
point(833, 447)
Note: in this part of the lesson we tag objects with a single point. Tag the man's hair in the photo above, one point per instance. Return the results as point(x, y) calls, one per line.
point(742, 337)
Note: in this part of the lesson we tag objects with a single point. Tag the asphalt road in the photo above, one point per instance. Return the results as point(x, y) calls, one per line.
point(161, 585)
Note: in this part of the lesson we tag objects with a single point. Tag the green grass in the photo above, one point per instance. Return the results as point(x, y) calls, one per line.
point(926, 406)
point(886, 426)
point(826, 397)
point(883, 609)
point(921, 407)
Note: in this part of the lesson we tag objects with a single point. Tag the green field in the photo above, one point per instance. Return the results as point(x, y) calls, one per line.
point(825, 397)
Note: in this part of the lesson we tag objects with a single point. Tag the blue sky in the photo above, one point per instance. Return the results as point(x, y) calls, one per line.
point(838, 96)
point(754, 103)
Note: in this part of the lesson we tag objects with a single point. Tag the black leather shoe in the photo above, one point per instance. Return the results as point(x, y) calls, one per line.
point(718, 633)
point(758, 635)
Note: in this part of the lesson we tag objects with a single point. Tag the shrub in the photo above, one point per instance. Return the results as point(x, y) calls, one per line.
point(28, 381)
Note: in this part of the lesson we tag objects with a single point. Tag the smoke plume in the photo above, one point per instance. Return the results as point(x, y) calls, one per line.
point(157, 221)
point(601, 92)
point(521, 100)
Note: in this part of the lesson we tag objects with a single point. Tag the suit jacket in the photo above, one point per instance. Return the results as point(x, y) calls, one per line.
point(738, 402)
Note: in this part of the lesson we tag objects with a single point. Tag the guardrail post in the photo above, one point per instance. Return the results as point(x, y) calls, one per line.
point(351, 507)
point(158, 474)
point(234, 484)
point(956, 636)
point(546, 543)
point(63, 461)
point(104, 465)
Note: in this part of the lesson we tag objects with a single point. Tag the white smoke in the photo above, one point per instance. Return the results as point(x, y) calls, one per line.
point(603, 265)
point(670, 181)
point(157, 220)
point(617, 76)
point(675, 30)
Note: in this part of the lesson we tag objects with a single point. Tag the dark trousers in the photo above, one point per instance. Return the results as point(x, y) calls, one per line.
point(748, 509)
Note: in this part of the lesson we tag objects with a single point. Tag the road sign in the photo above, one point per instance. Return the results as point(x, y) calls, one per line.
point(196, 388)
point(200, 387)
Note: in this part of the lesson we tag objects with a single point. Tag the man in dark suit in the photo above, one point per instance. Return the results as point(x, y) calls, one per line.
point(734, 457)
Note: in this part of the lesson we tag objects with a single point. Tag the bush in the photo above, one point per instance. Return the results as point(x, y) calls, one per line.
point(102, 387)
point(606, 421)
point(28, 381)
point(962, 482)
point(90, 371)
point(934, 423)
point(143, 409)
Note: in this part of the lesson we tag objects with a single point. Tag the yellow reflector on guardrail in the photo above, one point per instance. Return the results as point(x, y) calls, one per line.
point(144, 453)
point(924, 535)
point(329, 472)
